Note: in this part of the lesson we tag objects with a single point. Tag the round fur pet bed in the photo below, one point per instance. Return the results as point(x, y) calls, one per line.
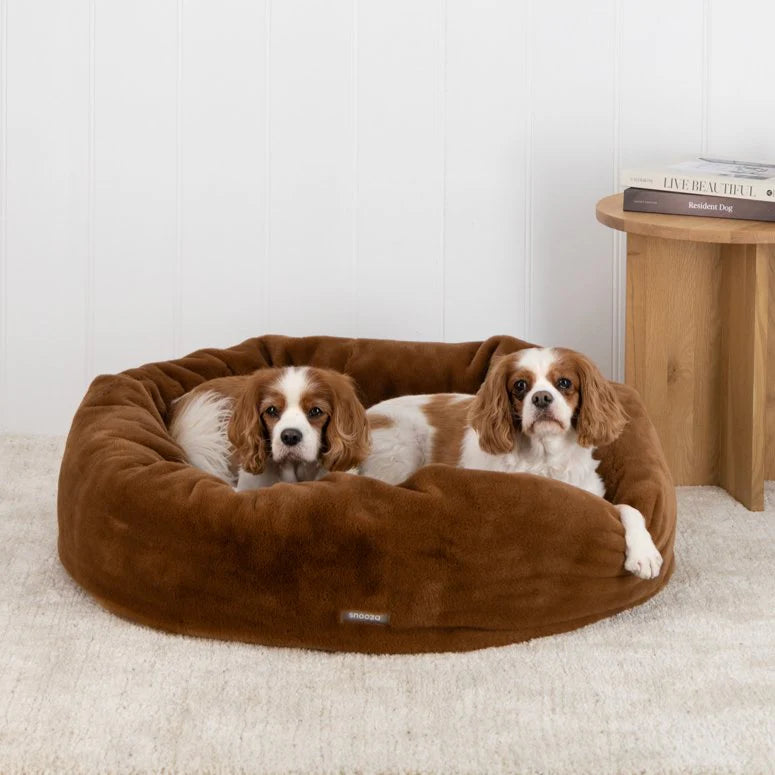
point(450, 560)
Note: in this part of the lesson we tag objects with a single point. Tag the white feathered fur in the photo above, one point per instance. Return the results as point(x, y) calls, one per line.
point(200, 428)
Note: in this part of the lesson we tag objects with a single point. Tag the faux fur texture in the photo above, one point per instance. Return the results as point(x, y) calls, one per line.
point(455, 559)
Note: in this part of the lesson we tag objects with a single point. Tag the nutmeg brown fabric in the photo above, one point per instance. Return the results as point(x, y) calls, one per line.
point(450, 560)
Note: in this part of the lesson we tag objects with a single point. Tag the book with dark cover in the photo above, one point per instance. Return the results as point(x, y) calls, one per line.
point(642, 200)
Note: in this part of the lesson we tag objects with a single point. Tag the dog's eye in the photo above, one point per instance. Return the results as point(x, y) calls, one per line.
point(316, 411)
point(520, 386)
point(563, 383)
point(272, 411)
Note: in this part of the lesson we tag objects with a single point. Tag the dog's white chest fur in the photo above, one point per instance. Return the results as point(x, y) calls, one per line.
point(549, 456)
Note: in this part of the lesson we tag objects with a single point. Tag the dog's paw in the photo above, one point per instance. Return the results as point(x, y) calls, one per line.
point(643, 558)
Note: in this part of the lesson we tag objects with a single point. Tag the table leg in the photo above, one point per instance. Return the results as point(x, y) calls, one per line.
point(769, 410)
point(672, 348)
point(744, 332)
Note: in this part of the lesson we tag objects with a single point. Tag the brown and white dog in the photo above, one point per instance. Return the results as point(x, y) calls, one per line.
point(540, 411)
point(289, 424)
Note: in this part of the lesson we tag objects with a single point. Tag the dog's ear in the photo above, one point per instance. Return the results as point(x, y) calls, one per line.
point(346, 436)
point(601, 417)
point(246, 430)
point(490, 414)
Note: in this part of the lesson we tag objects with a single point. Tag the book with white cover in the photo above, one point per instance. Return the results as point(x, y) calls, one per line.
point(715, 177)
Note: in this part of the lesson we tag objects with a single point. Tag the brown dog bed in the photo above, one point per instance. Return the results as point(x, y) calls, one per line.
point(450, 560)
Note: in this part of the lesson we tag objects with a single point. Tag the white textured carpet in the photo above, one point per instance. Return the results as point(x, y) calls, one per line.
point(685, 683)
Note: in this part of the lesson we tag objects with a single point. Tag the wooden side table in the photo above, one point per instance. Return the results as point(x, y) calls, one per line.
point(700, 342)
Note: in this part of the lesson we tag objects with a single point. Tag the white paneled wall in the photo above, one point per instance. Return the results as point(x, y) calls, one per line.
point(177, 174)
point(222, 174)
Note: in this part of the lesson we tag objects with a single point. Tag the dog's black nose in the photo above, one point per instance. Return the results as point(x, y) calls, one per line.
point(542, 399)
point(290, 437)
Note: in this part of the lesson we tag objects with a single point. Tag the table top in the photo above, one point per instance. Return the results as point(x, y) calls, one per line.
point(683, 227)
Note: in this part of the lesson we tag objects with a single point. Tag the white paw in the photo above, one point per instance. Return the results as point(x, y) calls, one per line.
point(643, 558)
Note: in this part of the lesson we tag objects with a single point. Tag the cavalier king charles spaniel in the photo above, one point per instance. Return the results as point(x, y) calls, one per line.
point(292, 424)
point(540, 411)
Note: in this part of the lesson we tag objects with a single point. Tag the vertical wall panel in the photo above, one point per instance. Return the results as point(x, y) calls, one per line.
point(400, 154)
point(741, 96)
point(572, 168)
point(311, 169)
point(660, 96)
point(222, 160)
point(4, 295)
point(487, 95)
point(135, 184)
point(47, 123)
point(660, 106)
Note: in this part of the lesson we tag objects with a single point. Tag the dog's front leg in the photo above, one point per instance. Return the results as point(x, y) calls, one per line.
point(642, 558)
point(247, 481)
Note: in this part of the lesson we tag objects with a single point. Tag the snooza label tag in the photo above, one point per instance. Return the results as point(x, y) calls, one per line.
point(364, 617)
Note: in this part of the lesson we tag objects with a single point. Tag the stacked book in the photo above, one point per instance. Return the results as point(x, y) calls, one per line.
point(714, 188)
